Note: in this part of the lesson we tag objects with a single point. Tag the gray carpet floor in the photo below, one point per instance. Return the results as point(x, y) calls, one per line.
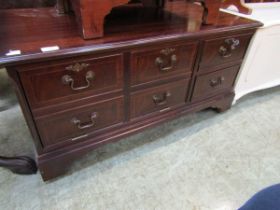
point(203, 161)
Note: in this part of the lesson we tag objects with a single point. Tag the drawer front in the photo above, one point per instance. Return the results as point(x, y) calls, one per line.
point(72, 80)
point(77, 124)
point(213, 83)
point(148, 65)
point(220, 51)
point(159, 99)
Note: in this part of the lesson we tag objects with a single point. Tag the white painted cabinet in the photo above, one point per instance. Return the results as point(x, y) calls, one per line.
point(261, 67)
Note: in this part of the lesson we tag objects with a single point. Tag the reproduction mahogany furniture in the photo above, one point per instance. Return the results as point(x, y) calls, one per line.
point(90, 14)
point(151, 66)
point(12, 4)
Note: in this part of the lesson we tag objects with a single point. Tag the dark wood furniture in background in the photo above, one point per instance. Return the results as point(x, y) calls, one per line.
point(149, 67)
point(90, 14)
point(12, 4)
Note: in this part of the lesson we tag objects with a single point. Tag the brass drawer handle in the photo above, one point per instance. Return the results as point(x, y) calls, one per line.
point(161, 100)
point(229, 45)
point(162, 62)
point(77, 67)
point(68, 80)
point(83, 126)
point(216, 82)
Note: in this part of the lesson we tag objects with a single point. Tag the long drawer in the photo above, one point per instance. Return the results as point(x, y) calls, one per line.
point(157, 63)
point(79, 123)
point(158, 99)
point(71, 79)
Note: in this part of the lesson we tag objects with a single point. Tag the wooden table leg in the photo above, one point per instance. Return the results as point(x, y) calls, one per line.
point(19, 165)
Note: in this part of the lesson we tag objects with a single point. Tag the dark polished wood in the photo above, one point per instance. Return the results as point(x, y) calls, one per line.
point(133, 27)
point(210, 10)
point(157, 63)
point(151, 66)
point(80, 123)
point(12, 4)
point(157, 100)
point(68, 80)
point(19, 165)
point(230, 49)
point(210, 84)
point(90, 14)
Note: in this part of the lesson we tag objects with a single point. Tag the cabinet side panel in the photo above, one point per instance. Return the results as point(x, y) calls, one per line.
point(25, 107)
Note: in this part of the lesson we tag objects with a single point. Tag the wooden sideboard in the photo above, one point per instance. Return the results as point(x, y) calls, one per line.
point(151, 66)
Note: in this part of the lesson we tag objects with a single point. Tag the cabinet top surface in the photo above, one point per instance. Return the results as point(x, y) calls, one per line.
point(29, 30)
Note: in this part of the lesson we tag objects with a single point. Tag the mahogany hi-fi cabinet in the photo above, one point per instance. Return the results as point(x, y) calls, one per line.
point(150, 66)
